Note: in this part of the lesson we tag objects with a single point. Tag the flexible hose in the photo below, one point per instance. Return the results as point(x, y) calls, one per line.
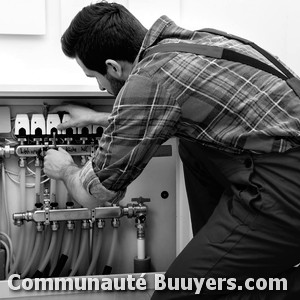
point(68, 236)
point(45, 246)
point(49, 252)
point(97, 242)
point(7, 257)
point(5, 202)
point(76, 245)
point(36, 249)
point(30, 228)
point(9, 242)
point(17, 261)
point(84, 241)
point(21, 233)
point(113, 246)
point(55, 255)
point(108, 266)
point(67, 242)
point(30, 231)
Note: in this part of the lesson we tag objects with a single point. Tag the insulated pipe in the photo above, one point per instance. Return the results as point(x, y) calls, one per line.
point(84, 241)
point(34, 254)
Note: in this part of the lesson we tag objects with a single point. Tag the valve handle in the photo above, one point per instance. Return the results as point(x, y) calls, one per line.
point(140, 200)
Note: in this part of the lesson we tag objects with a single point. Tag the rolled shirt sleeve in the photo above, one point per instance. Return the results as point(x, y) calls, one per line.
point(93, 186)
point(143, 117)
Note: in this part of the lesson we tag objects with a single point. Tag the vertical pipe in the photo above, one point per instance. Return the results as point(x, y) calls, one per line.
point(141, 252)
point(21, 232)
point(52, 190)
point(4, 193)
point(141, 261)
point(38, 171)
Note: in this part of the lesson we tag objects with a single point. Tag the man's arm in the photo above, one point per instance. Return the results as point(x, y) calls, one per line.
point(59, 165)
point(71, 179)
point(81, 116)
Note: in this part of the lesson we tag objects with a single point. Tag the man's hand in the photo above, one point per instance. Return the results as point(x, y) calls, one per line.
point(59, 165)
point(80, 116)
point(56, 163)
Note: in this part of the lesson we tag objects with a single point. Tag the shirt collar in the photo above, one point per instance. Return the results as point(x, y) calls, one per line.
point(154, 34)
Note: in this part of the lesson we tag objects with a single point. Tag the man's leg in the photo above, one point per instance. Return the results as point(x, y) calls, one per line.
point(254, 230)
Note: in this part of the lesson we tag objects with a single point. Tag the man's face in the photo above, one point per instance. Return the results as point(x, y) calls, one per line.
point(115, 84)
point(107, 82)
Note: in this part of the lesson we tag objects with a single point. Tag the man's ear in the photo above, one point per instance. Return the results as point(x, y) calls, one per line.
point(114, 68)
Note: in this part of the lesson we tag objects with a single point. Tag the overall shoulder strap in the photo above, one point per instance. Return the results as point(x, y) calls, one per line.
point(266, 54)
point(215, 52)
point(291, 80)
point(228, 54)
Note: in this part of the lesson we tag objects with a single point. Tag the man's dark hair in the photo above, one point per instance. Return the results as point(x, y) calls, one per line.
point(103, 31)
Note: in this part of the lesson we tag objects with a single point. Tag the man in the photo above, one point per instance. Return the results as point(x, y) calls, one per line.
point(238, 128)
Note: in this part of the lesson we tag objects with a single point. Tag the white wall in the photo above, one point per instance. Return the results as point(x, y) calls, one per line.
point(36, 62)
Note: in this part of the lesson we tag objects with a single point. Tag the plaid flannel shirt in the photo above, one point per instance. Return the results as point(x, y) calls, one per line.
point(218, 103)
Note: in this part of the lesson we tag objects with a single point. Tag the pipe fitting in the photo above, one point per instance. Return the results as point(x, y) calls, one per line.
point(19, 218)
point(22, 162)
point(54, 225)
point(39, 226)
point(85, 224)
point(115, 222)
point(6, 151)
point(100, 223)
point(70, 225)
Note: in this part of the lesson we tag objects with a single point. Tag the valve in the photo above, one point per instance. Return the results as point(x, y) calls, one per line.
point(140, 200)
